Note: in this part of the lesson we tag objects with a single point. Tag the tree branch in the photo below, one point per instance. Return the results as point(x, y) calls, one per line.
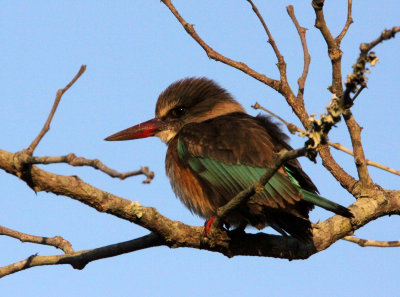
point(354, 80)
point(346, 180)
point(73, 160)
point(376, 243)
point(176, 234)
point(211, 53)
point(79, 260)
point(293, 129)
point(46, 126)
point(334, 51)
point(357, 78)
point(359, 156)
point(349, 21)
point(281, 60)
point(386, 35)
point(56, 241)
point(342, 148)
point(307, 58)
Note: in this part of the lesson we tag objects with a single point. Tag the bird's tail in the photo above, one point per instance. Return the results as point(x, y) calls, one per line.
point(325, 203)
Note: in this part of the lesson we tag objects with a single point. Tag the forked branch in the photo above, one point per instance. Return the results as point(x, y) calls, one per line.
point(307, 58)
point(349, 21)
point(79, 260)
point(211, 53)
point(355, 82)
point(293, 129)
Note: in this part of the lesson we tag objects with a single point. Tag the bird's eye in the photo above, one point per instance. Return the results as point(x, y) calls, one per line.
point(178, 112)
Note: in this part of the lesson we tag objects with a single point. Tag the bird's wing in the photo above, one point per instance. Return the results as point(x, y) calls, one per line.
point(231, 153)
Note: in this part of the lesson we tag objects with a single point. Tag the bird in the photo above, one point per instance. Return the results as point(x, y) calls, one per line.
point(215, 150)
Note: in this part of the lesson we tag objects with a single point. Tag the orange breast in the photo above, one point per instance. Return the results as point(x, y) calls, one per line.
point(194, 193)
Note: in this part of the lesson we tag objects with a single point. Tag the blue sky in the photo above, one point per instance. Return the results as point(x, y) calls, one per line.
point(133, 50)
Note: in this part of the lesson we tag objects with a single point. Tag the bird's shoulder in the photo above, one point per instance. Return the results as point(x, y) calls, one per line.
point(235, 138)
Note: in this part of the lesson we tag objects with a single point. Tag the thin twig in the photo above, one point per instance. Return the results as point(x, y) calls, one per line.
point(79, 260)
point(376, 243)
point(307, 58)
point(358, 78)
point(358, 93)
point(56, 241)
point(385, 35)
point(340, 147)
point(293, 129)
point(349, 21)
point(73, 160)
point(211, 53)
point(46, 126)
point(271, 41)
point(258, 186)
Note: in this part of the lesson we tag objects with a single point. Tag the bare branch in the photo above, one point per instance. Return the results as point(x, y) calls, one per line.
point(358, 78)
point(56, 241)
point(357, 93)
point(354, 80)
point(293, 129)
point(342, 148)
point(349, 21)
point(359, 156)
point(73, 160)
point(46, 126)
point(79, 260)
point(307, 58)
point(211, 53)
point(335, 54)
point(386, 35)
point(346, 180)
point(376, 243)
point(177, 234)
point(271, 41)
point(258, 186)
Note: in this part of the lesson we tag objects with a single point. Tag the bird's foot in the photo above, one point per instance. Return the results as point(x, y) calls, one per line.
point(207, 226)
point(238, 230)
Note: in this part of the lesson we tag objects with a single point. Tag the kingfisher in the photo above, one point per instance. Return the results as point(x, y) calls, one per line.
point(215, 150)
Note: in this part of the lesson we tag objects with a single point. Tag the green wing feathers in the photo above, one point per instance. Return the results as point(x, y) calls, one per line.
point(229, 179)
point(318, 200)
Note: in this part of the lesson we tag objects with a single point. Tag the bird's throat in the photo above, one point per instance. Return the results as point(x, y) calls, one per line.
point(166, 135)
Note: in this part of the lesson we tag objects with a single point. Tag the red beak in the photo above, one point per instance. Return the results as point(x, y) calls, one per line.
point(143, 130)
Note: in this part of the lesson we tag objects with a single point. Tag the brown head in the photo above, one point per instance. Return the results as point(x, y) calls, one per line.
point(185, 101)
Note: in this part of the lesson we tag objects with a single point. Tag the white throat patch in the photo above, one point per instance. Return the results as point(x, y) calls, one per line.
point(166, 135)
